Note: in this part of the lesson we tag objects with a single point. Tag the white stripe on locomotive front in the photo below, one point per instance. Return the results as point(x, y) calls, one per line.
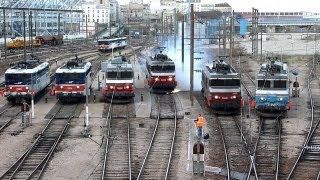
point(162, 74)
point(130, 81)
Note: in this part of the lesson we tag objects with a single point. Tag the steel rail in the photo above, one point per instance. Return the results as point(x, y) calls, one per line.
point(129, 144)
point(18, 164)
point(173, 141)
point(104, 170)
point(152, 142)
point(311, 129)
point(225, 150)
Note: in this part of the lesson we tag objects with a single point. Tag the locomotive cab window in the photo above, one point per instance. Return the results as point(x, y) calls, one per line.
point(162, 68)
point(264, 84)
point(126, 75)
point(18, 79)
point(70, 78)
point(225, 82)
point(280, 84)
point(120, 75)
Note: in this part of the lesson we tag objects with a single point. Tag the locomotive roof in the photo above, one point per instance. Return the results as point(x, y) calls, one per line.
point(29, 66)
point(273, 70)
point(220, 69)
point(74, 66)
point(116, 64)
point(159, 56)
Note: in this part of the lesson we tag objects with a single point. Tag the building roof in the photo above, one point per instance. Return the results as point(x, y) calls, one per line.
point(222, 5)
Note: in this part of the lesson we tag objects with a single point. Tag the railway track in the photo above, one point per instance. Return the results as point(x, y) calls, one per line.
point(117, 160)
point(266, 151)
point(32, 163)
point(237, 155)
point(157, 160)
point(7, 114)
point(307, 164)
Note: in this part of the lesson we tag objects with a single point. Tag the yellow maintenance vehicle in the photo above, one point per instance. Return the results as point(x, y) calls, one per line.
point(19, 44)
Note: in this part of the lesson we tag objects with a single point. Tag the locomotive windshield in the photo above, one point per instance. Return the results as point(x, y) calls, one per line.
point(280, 84)
point(277, 84)
point(120, 75)
point(70, 78)
point(162, 68)
point(103, 42)
point(18, 79)
point(225, 82)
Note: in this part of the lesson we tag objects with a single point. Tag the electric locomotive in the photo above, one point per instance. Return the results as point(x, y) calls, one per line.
point(108, 44)
point(73, 81)
point(161, 70)
point(273, 91)
point(119, 80)
point(26, 79)
point(221, 86)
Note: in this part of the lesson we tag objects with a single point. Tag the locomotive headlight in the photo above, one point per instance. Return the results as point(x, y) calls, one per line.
point(262, 98)
point(156, 79)
point(216, 97)
point(78, 87)
point(111, 87)
point(61, 87)
point(233, 97)
point(10, 87)
point(127, 87)
point(280, 99)
point(170, 79)
point(27, 87)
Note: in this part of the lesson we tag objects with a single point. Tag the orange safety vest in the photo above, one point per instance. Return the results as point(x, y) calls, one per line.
point(200, 122)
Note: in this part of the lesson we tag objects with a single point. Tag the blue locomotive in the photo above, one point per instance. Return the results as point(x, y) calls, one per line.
point(273, 89)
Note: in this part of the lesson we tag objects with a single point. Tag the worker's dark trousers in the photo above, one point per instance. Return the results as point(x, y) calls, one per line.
point(200, 133)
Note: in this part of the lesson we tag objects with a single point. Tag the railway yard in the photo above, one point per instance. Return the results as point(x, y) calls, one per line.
point(153, 136)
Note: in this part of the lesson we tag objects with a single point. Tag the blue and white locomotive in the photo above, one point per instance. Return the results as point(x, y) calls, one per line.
point(273, 91)
point(108, 44)
point(71, 79)
point(26, 79)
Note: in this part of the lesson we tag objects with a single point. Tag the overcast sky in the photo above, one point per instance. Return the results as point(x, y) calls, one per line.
point(272, 5)
point(265, 5)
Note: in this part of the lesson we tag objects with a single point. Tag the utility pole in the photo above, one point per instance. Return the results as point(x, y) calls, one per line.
point(261, 43)
point(219, 41)
point(182, 40)
point(24, 36)
point(254, 32)
point(86, 28)
point(224, 40)
point(5, 35)
point(59, 24)
point(191, 52)
point(231, 33)
point(109, 24)
point(162, 27)
point(87, 108)
point(30, 31)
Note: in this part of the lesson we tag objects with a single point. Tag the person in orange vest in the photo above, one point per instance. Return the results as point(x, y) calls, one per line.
point(200, 124)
